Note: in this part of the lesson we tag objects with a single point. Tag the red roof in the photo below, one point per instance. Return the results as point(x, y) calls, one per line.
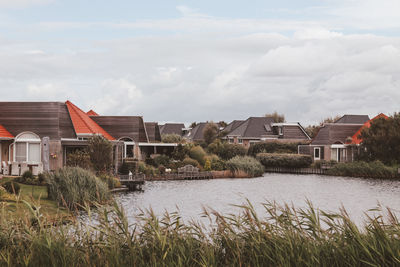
point(92, 113)
point(355, 139)
point(83, 124)
point(4, 133)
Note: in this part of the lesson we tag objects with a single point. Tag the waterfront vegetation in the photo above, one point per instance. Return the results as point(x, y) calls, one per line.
point(375, 169)
point(282, 236)
point(246, 164)
point(276, 160)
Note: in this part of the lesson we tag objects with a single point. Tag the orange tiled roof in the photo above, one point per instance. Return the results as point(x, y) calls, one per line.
point(4, 133)
point(92, 113)
point(83, 124)
point(355, 139)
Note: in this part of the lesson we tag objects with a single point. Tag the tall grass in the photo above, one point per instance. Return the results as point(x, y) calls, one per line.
point(375, 169)
point(247, 164)
point(73, 186)
point(285, 237)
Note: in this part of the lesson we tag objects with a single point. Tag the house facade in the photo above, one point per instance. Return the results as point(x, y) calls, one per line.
point(339, 141)
point(258, 129)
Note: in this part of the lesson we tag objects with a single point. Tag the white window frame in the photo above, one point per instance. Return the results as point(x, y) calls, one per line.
point(319, 153)
point(240, 141)
point(280, 129)
point(126, 144)
point(27, 142)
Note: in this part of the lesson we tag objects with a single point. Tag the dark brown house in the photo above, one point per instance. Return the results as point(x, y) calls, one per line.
point(257, 129)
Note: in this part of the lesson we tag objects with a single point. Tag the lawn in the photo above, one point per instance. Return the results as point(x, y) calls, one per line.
point(36, 196)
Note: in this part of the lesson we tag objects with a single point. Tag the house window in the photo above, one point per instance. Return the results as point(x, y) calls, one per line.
point(280, 130)
point(317, 153)
point(240, 141)
point(231, 140)
point(27, 148)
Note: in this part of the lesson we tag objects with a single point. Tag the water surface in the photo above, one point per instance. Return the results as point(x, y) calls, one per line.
point(325, 192)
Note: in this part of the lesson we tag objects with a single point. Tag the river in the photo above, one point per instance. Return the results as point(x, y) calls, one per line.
point(325, 192)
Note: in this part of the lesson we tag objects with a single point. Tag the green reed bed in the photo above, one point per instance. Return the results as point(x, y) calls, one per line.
point(284, 237)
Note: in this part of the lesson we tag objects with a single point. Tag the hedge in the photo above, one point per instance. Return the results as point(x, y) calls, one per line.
point(374, 169)
point(273, 160)
point(272, 147)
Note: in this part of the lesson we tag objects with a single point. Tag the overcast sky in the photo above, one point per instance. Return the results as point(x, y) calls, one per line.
point(187, 61)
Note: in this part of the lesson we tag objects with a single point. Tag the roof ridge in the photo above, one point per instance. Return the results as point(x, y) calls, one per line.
point(83, 119)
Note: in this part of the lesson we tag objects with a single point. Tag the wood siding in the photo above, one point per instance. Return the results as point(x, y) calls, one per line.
point(123, 126)
point(42, 118)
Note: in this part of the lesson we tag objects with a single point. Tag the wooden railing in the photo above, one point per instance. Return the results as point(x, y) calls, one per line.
point(296, 170)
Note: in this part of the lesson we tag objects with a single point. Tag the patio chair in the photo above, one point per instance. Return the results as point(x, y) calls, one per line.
point(6, 169)
point(24, 167)
point(14, 168)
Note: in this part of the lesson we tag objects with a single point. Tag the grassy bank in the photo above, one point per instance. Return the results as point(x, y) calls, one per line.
point(287, 237)
point(14, 206)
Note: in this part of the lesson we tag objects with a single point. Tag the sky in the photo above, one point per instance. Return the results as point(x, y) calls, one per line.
point(185, 61)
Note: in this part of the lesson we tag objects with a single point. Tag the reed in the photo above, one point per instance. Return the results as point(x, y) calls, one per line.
point(283, 236)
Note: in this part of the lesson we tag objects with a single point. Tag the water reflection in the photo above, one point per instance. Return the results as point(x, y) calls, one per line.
point(327, 193)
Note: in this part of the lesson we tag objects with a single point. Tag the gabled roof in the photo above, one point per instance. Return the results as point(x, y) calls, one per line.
point(172, 128)
point(83, 124)
point(232, 126)
point(335, 133)
point(355, 139)
point(196, 134)
point(353, 119)
point(254, 127)
point(153, 131)
point(92, 113)
point(4, 134)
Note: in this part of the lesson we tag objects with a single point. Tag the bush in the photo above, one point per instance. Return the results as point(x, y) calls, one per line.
point(189, 161)
point(216, 163)
point(273, 160)
point(171, 138)
point(375, 169)
point(73, 186)
point(150, 161)
point(225, 150)
point(180, 152)
point(198, 154)
point(27, 178)
point(110, 180)
point(79, 158)
point(100, 152)
point(162, 160)
point(12, 187)
point(247, 164)
point(272, 147)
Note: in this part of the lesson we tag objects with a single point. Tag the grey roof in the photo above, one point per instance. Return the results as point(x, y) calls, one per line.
point(254, 127)
point(334, 133)
point(353, 119)
point(196, 134)
point(172, 128)
point(232, 126)
point(153, 131)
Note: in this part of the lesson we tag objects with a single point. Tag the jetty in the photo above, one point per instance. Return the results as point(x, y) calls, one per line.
point(133, 182)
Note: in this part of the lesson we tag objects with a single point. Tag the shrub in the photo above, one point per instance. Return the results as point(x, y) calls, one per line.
point(162, 160)
point(41, 178)
point(190, 161)
point(225, 150)
point(171, 138)
point(12, 187)
point(198, 154)
point(73, 186)
point(27, 178)
point(180, 152)
point(210, 132)
point(271, 160)
point(100, 152)
point(161, 169)
point(79, 158)
point(375, 169)
point(272, 147)
point(247, 164)
point(110, 180)
point(150, 161)
point(207, 165)
point(216, 163)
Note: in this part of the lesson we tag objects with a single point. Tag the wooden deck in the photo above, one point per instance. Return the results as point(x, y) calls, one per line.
point(188, 176)
point(134, 182)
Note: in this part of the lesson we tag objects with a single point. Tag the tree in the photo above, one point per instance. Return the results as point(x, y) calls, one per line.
point(381, 141)
point(210, 132)
point(193, 125)
point(100, 153)
point(277, 117)
point(171, 138)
